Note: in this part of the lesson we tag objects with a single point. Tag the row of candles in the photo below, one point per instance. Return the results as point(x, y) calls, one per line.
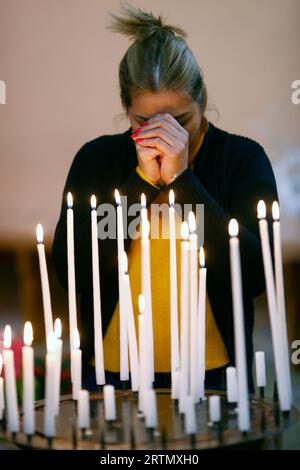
point(188, 354)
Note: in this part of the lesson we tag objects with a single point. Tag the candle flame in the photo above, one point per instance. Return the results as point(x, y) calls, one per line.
point(7, 337)
point(51, 342)
point(143, 201)
point(124, 262)
point(57, 328)
point(261, 210)
point(141, 303)
point(76, 339)
point(233, 228)
point(192, 221)
point(39, 233)
point(202, 257)
point(117, 197)
point(28, 334)
point(171, 197)
point(1, 363)
point(184, 231)
point(93, 202)
point(275, 211)
point(70, 200)
point(145, 229)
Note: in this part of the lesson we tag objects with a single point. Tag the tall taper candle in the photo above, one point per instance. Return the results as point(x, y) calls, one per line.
point(44, 281)
point(201, 325)
point(239, 329)
point(184, 315)
point(280, 291)
point(98, 338)
point(1, 390)
point(282, 385)
point(51, 360)
point(175, 360)
point(260, 369)
point(76, 359)
point(124, 368)
point(59, 343)
point(71, 273)
point(193, 268)
point(133, 348)
point(28, 381)
point(10, 382)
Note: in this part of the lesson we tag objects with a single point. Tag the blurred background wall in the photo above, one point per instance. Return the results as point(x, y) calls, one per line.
point(60, 67)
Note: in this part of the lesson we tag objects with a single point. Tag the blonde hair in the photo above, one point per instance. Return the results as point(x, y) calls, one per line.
point(158, 59)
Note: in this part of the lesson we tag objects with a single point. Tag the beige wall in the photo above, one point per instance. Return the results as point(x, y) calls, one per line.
point(60, 68)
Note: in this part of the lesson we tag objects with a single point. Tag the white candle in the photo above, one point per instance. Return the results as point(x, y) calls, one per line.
point(124, 369)
point(190, 421)
point(201, 325)
point(71, 273)
point(109, 403)
point(175, 361)
point(83, 409)
point(260, 369)
point(59, 343)
point(282, 385)
point(231, 385)
point(10, 382)
point(76, 360)
point(133, 348)
point(1, 390)
point(193, 277)
point(145, 377)
point(28, 381)
point(51, 360)
point(176, 385)
point(150, 409)
point(280, 292)
point(239, 329)
point(146, 279)
point(44, 281)
point(214, 408)
point(184, 315)
point(98, 338)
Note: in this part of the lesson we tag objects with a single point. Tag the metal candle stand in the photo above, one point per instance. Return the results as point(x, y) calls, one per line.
point(129, 430)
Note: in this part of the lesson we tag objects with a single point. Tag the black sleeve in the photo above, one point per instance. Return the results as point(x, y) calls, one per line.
point(85, 178)
point(252, 180)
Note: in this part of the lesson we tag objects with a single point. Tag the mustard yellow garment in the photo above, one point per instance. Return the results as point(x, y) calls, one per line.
point(216, 353)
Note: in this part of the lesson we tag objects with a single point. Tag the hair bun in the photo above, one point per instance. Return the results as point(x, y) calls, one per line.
point(138, 24)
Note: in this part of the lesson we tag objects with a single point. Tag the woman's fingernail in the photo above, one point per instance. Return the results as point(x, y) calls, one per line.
point(139, 140)
point(133, 136)
point(145, 123)
point(136, 131)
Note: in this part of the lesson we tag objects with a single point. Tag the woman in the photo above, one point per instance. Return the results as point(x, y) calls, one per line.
point(169, 145)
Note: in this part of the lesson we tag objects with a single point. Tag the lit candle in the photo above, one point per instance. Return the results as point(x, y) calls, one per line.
point(124, 369)
point(1, 390)
point(109, 403)
point(51, 360)
point(83, 409)
point(201, 325)
point(190, 421)
point(184, 315)
point(146, 279)
point(260, 369)
point(59, 343)
point(28, 381)
point(175, 362)
point(71, 273)
point(280, 291)
point(145, 376)
point(44, 281)
point(98, 339)
point(282, 385)
point(10, 383)
point(176, 385)
point(150, 409)
point(239, 329)
point(231, 385)
point(214, 408)
point(76, 360)
point(133, 348)
point(193, 277)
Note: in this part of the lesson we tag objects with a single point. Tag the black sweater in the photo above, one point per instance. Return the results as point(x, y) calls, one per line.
point(230, 174)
